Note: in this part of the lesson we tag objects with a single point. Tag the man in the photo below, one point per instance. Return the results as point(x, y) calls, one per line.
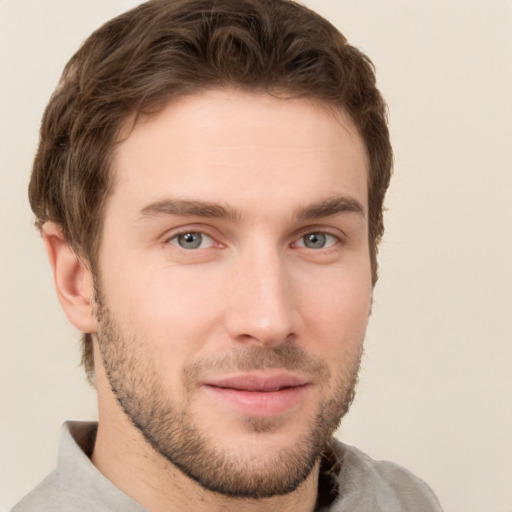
point(209, 186)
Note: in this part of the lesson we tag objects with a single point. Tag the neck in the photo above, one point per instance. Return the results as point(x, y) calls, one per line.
point(124, 457)
point(158, 485)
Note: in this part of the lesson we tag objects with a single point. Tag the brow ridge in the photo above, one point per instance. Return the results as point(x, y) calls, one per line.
point(206, 209)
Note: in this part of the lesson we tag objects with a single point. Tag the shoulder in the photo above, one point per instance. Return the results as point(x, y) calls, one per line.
point(50, 496)
point(368, 484)
point(76, 485)
point(63, 489)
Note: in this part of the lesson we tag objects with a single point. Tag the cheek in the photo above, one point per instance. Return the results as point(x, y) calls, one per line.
point(173, 313)
point(337, 312)
point(183, 299)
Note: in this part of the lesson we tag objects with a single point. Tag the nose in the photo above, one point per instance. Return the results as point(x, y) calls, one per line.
point(262, 306)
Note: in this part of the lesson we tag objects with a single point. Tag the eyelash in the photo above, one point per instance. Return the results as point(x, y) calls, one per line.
point(191, 232)
point(335, 240)
point(299, 242)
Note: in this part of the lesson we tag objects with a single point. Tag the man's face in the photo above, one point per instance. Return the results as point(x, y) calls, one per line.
point(235, 285)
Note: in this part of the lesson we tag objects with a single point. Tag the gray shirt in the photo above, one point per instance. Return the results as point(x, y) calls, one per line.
point(350, 481)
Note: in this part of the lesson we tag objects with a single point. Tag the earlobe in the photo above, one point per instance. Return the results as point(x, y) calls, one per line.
point(73, 280)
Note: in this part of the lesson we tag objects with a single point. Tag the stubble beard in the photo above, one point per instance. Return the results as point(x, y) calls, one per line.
point(174, 434)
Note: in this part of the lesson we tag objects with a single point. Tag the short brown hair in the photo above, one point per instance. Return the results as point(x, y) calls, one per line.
point(137, 62)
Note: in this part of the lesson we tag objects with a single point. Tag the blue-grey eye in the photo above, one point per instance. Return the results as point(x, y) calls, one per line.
point(192, 240)
point(317, 240)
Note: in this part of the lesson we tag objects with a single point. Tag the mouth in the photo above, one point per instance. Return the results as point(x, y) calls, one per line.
point(257, 395)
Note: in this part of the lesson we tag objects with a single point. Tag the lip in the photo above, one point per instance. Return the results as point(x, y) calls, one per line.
point(259, 395)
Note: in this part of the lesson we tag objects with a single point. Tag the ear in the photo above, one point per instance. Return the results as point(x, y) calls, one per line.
point(73, 279)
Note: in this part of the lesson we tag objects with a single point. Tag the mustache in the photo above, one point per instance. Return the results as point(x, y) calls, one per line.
point(249, 358)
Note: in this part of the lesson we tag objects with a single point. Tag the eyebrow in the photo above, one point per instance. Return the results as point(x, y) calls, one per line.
point(333, 206)
point(183, 208)
point(205, 209)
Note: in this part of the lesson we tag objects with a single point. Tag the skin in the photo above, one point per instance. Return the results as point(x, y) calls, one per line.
point(189, 318)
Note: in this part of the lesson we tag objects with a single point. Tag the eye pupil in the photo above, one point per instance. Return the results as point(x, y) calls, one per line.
point(190, 240)
point(315, 240)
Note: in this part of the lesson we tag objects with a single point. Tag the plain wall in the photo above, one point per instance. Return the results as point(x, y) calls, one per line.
point(436, 385)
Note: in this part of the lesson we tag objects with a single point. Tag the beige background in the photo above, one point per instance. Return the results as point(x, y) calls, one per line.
point(436, 387)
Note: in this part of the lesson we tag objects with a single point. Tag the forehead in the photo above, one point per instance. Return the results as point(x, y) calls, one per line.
point(237, 146)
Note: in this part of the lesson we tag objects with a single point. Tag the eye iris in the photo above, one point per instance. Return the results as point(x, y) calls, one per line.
point(315, 240)
point(190, 240)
